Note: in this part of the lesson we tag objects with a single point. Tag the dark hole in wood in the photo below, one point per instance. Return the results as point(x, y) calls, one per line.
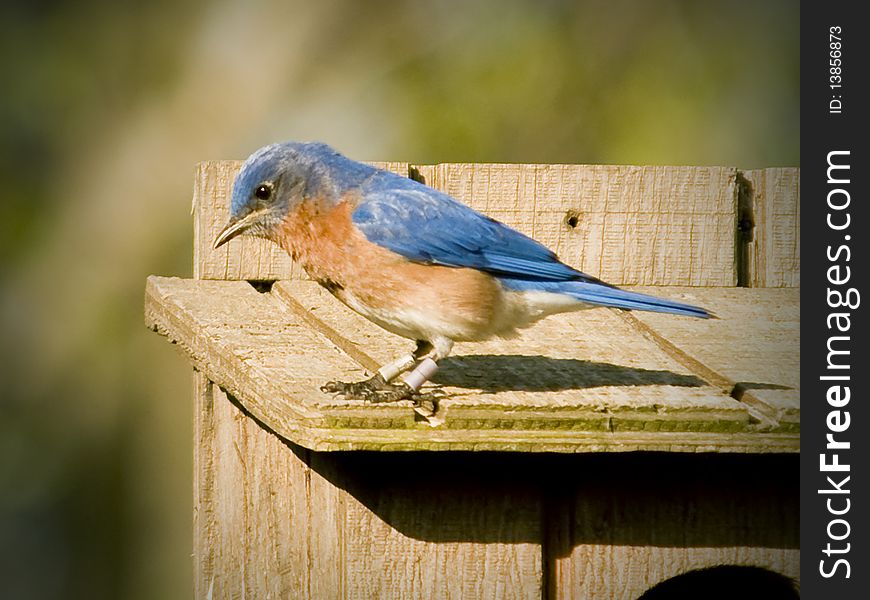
point(415, 174)
point(264, 287)
point(572, 219)
point(725, 581)
point(744, 232)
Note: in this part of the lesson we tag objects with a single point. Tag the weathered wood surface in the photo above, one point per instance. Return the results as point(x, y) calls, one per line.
point(631, 523)
point(630, 225)
point(627, 225)
point(581, 382)
point(772, 205)
point(755, 351)
point(253, 515)
point(275, 520)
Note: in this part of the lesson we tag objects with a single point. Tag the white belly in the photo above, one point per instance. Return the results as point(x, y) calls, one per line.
point(512, 311)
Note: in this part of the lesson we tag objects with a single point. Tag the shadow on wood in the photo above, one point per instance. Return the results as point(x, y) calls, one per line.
point(678, 425)
point(498, 373)
point(636, 499)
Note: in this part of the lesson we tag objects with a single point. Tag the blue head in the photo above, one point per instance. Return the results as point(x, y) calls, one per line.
point(276, 179)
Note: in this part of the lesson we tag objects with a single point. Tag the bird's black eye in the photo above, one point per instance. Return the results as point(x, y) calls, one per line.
point(263, 192)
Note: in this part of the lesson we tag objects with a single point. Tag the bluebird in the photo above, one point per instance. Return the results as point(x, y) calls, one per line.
point(409, 258)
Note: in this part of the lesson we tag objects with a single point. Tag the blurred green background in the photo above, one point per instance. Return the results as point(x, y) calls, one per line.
point(107, 106)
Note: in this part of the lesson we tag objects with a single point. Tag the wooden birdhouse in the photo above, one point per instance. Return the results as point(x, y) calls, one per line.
point(597, 455)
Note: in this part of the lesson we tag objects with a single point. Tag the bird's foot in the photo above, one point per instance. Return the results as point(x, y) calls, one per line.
point(377, 390)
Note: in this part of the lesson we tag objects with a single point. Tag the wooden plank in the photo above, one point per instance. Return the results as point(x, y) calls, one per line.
point(627, 225)
point(589, 368)
point(204, 520)
point(327, 577)
point(773, 207)
point(275, 520)
point(438, 526)
point(423, 173)
point(567, 388)
point(753, 346)
point(244, 258)
point(234, 330)
point(636, 520)
point(251, 519)
point(254, 348)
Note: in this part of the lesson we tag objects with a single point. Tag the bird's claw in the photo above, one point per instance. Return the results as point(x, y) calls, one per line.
point(376, 390)
point(370, 390)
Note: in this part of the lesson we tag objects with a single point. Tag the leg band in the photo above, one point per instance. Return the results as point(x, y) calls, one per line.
point(392, 370)
point(426, 369)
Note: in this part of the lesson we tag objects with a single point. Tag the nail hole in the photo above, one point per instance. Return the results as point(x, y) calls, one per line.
point(572, 218)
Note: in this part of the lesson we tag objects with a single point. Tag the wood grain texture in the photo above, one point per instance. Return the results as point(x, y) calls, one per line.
point(774, 209)
point(245, 257)
point(204, 517)
point(443, 526)
point(589, 368)
point(753, 346)
point(633, 522)
point(251, 526)
point(627, 225)
point(573, 383)
point(274, 520)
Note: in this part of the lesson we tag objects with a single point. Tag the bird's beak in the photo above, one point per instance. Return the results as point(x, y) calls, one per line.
point(235, 227)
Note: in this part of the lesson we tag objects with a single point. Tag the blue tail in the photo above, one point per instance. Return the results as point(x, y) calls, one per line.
point(605, 295)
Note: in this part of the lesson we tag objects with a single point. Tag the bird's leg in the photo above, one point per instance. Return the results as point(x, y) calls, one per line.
point(378, 388)
point(428, 353)
point(405, 363)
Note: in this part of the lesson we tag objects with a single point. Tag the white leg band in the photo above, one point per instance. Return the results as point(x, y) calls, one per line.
point(426, 369)
point(392, 370)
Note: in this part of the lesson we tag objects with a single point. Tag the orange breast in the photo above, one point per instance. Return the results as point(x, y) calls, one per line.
point(334, 253)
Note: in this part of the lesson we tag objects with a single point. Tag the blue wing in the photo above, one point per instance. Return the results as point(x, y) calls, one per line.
point(427, 226)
